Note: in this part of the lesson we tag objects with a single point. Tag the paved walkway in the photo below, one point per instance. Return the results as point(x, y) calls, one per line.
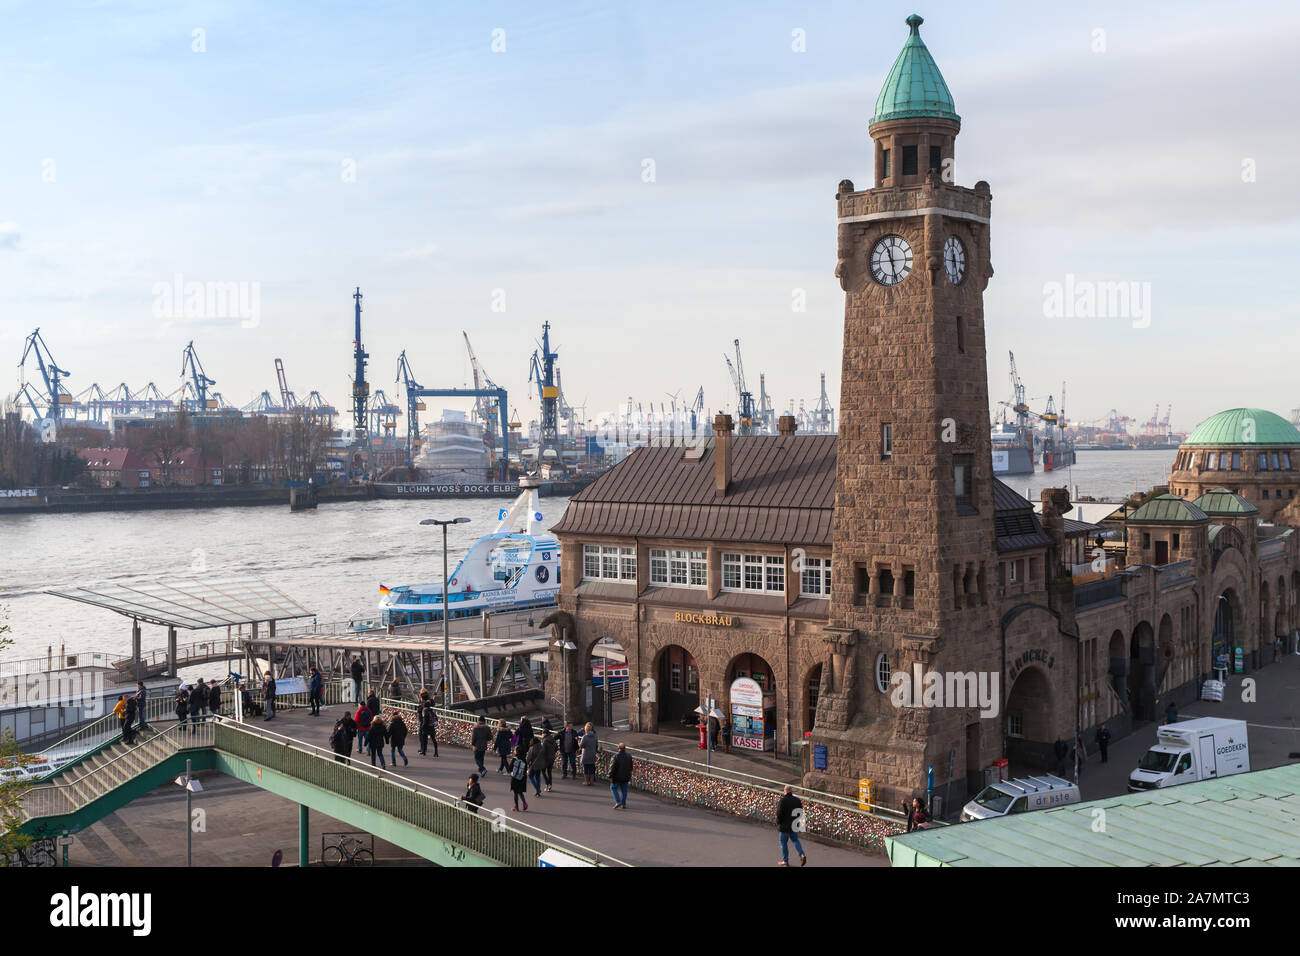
point(651, 832)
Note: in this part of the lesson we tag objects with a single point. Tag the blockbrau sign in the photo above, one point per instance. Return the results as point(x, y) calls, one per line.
point(717, 620)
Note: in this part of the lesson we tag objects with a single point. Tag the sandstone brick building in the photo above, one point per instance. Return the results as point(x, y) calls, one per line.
point(822, 567)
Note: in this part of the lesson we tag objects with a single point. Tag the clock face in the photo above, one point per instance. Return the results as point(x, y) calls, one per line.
point(954, 260)
point(891, 260)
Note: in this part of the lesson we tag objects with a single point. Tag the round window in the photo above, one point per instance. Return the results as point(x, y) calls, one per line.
point(882, 674)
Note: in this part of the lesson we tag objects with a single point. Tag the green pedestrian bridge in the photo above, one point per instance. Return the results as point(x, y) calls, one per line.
point(430, 823)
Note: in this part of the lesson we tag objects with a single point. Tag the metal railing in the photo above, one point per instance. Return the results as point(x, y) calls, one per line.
point(57, 662)
point(197, 652)
point(1097, 592)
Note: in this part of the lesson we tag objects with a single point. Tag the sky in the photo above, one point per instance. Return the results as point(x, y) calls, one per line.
point(655, 179)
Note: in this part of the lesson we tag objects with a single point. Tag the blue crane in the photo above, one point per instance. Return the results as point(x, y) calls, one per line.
point(415, 392)
point(55, 393)
point(190, 362)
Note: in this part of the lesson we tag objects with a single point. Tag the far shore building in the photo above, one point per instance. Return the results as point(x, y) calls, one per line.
point(816, 586)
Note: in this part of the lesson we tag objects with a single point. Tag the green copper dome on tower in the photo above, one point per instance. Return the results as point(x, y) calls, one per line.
point(914, 86)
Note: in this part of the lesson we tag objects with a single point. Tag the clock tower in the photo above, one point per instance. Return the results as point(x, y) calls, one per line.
point(915, 557)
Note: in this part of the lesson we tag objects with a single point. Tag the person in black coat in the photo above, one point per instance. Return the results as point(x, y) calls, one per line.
point(397, 738)
point(480, 739)
point(340, 743)
point(474, 797)
point(788, 824)
point(519, 781)
point(620, 775)
point(1103, 741)
point(358, 671)
point(214, 697)
point(526, 737)
point(350, 726)
point(378, 737)
point(426, 716)
point(268, 694)
point(502, 745)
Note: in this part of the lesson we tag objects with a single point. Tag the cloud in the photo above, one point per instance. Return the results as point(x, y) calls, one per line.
point(10, 235)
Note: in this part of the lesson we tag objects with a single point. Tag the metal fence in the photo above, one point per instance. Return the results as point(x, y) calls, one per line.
point(57, 662)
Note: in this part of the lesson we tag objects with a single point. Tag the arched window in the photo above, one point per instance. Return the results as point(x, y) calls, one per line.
point(882, 674)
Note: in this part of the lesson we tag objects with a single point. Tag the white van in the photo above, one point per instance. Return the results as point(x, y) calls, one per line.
point(1020, 796)
point(1200, 749)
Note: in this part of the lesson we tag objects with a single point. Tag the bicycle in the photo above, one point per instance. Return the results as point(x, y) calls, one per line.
point(349, 851)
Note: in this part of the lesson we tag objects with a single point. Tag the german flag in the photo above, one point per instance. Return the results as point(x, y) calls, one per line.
point(384, 589)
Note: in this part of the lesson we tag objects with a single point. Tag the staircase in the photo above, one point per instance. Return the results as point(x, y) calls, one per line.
point(81, 784)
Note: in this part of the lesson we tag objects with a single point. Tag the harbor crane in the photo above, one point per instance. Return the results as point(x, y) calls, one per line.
point(360, 387)
point(697, 411)
point(542, 371)
point(286, 394)
point(383, 414)
point(1024, 436)
point(190, 362)
point(766, 414)
point(55, 392)
point(744, 397)
point(415, 392)
point(823, 416)
point(484, 409)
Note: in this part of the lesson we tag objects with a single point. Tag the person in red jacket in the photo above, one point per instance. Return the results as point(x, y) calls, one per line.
point(363, 717)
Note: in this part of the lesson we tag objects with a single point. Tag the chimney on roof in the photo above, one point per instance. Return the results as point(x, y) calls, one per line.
point(786, 425)
point(721, 454)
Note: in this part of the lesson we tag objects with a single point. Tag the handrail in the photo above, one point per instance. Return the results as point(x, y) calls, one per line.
point(57, 662)
point(775, 786)
point(434, 793)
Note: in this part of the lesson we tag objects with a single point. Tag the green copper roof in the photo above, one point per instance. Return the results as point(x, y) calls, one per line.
point(1244, 426)
point(1221, 501)
point(914, 86)
point(1168, 509)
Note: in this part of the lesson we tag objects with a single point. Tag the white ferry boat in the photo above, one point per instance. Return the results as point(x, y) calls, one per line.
point(504, 571)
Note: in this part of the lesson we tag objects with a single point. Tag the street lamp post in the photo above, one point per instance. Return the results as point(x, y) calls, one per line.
point(447, 696)
point(192, 787)
point(565, 646)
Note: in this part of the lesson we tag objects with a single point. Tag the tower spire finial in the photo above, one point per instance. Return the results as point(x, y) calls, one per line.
point(915, 21)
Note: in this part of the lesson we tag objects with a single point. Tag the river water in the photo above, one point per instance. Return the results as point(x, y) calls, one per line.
point(331, 560)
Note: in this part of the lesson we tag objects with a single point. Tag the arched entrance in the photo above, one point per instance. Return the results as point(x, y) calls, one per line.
point(678, 689)
point(812, 688)
point(606, 679)
point(1142, 673)
point(1227, 612)
point(1029, 720)
point(753, 720)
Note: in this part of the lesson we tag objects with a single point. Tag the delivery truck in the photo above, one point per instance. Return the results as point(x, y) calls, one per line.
point(1205, 748)
point(1020, 796)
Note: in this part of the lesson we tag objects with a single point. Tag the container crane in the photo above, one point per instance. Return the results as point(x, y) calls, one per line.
point(415, 392)
point(190, 362)
point(1024, 435)
point(383, 414)
point(286, 394)
point(823, 416)
point(697, 410)
point(55, 392)
point(766, 414)
point(484, 407)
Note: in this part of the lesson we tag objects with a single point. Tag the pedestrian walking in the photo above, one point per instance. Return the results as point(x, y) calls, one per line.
point(480, 738)
point(589, 746)
point(363, 718)
point(141, 698)
point(358, 671)
point(339, 742)
point(1103, 741)
point(1080, 755)
point(198, 700)
point(525, 738)
point(726, 735)
point(119, 711)
point(620, 775)
point(315, 691)
point(372, 701)
point(536, 760)
point(569, 750)
point(519, 780)
point(128, 734)
point(182, 705)
point(427, 722)
point(502, 745)
point(474, 797)
point(550, 747)
point(397, 739)
point(378, 737)
point(789, 814)
point(214, 698)
point(350, 727)
point(1062, 750)
point(268, 694)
